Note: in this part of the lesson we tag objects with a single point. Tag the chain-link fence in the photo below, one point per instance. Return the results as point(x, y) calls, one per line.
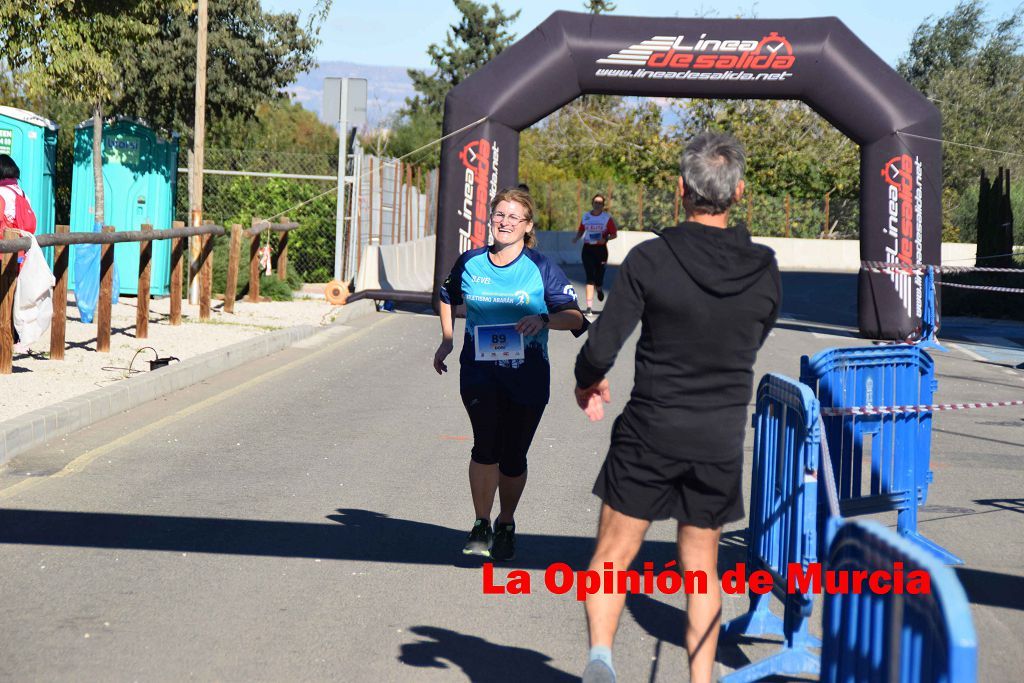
point(636, 207)
point(234, 191)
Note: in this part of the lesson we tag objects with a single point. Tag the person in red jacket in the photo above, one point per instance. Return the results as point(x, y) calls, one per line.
point(596, 228)
point(15, 209)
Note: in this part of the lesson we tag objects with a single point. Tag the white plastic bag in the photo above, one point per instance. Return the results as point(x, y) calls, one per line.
point(33, 296)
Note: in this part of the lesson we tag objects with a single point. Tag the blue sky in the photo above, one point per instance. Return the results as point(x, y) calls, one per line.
point(397, 32)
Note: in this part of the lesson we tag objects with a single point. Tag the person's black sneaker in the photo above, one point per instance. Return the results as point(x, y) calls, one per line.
point(504, 546)
point(479, 540)
point(600, 295)
point(588, 311)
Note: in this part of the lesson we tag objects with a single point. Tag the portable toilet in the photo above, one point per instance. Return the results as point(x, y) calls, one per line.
point(139, 172)
point(31, 141)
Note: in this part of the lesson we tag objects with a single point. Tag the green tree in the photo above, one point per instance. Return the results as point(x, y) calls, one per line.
point(69, 49)
point(480, 34)
point(599, 6)
point(252, 56)
point(972, 68)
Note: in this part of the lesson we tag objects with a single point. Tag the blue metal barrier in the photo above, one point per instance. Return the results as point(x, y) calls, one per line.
point(930, 314)
point(881, 462)
point(783, 523)
point(868, 637)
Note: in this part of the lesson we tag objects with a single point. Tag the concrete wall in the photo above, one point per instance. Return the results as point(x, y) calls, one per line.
point(841, 256)
point(407, 266)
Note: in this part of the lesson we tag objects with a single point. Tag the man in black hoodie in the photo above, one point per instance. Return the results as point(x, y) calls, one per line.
point(707, 298)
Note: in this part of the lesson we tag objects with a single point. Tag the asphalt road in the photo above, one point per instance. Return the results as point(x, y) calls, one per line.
point(301, 517)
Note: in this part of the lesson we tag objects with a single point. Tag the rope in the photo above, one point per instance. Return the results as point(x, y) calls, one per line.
point(883, 267)
point(933, 407)
point(961, 144)
point(984, 288)
point(392, 162)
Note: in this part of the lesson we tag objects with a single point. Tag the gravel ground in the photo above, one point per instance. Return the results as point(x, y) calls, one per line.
point(38, 382)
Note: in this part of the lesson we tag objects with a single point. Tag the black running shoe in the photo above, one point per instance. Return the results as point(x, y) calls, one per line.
point(600, 295)
point(504, 546)
point(479, 540)
point(588, 311)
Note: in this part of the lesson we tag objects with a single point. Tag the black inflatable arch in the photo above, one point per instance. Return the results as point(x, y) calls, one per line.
point(818, 61)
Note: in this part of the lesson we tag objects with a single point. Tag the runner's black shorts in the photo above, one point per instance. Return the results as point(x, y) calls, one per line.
point(594, 257)
point(645, 485)
point(502, 429)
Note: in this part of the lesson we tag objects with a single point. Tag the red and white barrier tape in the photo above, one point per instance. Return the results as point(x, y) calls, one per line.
point(934, 407)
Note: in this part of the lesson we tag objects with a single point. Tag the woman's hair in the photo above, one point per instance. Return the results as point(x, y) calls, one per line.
point(8, 169)
point(514, 194)
point(596, 196)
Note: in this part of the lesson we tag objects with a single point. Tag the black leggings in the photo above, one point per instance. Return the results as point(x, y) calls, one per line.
point(594, 257)
point(502, 429)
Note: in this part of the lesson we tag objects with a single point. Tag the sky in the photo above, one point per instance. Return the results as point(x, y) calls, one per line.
point(397, 32)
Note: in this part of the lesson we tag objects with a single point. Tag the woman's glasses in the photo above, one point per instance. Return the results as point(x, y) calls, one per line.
point(500, 217)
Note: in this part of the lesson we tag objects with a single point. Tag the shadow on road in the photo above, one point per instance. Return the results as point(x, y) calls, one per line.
point(479, 659)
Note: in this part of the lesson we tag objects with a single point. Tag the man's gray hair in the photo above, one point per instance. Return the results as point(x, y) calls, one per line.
point(712, 166)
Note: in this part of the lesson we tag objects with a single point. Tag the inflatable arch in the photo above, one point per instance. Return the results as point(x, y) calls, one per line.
point(818, 61)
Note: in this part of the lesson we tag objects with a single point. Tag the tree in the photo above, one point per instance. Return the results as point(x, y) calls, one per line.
point(479, 36)
point(69, 49)
point(599, 6)
point(252, 56)
point(972, 68)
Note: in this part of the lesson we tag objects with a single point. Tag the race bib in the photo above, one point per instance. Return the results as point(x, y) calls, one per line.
point(498, 342)
point(594, 236)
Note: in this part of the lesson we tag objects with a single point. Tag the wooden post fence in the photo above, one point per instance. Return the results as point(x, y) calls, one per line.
point(106, 295)
point(60, 297)
point(675, 210)
point(579, 197)
point(254, 265)
point(750, 211)
point(231, 286)
point(177, 259)
point(205, 275)
point(8, 276)
point(282, 249)
point(787, 215)
point(145, 266)
point(640, 208)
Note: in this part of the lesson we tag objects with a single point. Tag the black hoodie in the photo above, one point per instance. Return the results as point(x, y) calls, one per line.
point(707, 299)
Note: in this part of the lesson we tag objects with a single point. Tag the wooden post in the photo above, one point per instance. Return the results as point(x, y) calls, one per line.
point(380, 206)
point(106, 295)
point(675, 211)
point(232, 282)
point(579, 197)
point(787, 215)
point(429, 195)
point(608, 199)
point(408, 203)
point(145, 263)
point(8, 277)
point(750, 211)
point(828, 226)
point(282, 249)
point(640, 208)
point(254, 266)
point(177, 256)
point(394, 202)
point(206, 275)
point(419, 179)
point(60, 297)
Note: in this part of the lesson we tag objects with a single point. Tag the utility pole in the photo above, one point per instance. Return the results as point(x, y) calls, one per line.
point(198, 145)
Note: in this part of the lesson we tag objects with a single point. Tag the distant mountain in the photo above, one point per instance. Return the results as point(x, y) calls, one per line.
point(387, 88)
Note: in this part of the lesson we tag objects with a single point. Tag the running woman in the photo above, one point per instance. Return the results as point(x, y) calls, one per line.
point(513, 296)
point(596, 228)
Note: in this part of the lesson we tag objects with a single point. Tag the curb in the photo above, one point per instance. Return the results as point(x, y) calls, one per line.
point(32, 429)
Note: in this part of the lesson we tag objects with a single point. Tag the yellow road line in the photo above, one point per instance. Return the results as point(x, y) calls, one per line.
point(79, 463)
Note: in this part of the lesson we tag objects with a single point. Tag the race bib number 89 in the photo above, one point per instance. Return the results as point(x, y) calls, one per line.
point(498, 342)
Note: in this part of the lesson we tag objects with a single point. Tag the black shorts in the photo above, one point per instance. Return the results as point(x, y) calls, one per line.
point(595, 257)
point(648, 486)
point(502, 429)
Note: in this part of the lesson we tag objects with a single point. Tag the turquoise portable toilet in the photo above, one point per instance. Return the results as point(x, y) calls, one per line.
point(31, 141)
point(139, 172)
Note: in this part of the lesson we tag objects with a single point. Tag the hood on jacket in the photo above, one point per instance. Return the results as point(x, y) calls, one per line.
point(722, 261)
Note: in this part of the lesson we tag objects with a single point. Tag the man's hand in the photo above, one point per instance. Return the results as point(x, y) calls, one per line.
point(442, 352)
point(593, 398)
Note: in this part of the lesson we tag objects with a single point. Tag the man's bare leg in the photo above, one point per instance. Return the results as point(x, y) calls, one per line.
point(619, 538)
point(698, 551)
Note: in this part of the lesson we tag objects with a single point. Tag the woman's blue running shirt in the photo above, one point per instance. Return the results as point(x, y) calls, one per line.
point(496, 295)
